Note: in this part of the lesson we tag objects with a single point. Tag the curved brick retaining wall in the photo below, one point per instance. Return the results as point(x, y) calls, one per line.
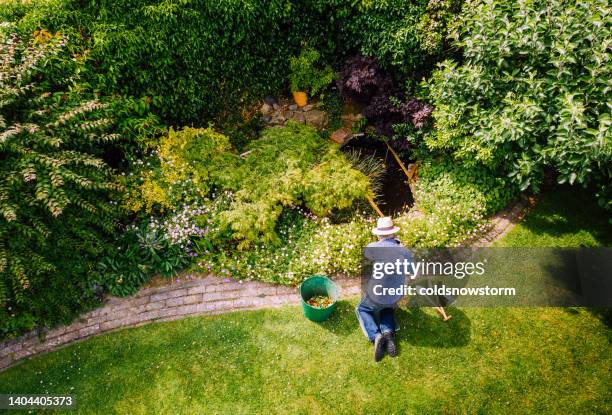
point(203, 296)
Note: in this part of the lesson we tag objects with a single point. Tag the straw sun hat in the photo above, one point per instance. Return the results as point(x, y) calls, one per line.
point(384, 226)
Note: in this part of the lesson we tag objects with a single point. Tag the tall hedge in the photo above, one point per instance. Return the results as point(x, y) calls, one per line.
point(198, 59)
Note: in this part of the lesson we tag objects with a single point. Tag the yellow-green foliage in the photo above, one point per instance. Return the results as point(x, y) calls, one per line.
point(191, 160)
point(333, 184)
point(287, 167)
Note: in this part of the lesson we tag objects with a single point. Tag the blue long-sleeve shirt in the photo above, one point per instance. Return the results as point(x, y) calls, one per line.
point(386, 251)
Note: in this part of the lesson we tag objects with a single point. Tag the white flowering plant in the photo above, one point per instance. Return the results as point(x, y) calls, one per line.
point(453, 204)
point(262, 261)
point(308, 245)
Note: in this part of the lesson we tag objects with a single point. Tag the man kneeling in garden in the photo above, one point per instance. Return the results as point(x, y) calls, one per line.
point(375, 311)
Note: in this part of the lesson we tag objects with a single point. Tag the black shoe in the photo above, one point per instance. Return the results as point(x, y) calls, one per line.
point(379, 345)
point(390, 341)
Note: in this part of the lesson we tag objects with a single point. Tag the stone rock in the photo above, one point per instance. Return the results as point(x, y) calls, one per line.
point(342, 135)
point(266, 109)
point(293, 107)
point(316, 118)
point(298, 116)
point(276, 106)
point(308, 107)
point(269, 100)
point(277, 119)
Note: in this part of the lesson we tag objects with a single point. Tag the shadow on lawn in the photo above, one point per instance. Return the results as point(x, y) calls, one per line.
point(605, 315)
point(427, 330)
point(566, 210)
point(416, 327)
point(555, 226)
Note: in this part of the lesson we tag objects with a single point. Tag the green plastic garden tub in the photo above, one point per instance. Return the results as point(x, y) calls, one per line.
point(318, 285)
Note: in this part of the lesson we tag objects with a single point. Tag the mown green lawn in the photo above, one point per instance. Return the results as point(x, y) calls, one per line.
point(510, 360)
point(565, 217)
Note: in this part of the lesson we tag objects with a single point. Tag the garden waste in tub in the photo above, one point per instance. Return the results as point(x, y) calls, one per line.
point(319, 295)
point(320, 301)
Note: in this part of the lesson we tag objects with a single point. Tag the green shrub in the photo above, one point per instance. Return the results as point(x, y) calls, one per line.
point(334, 248)
point(305, 76)
point(308, 245)
point(453, 202)
point(450, 213)
point(332, 104)
point(391, 32)
point(436, 23)
point(187, 164)
point(286, 167)
point(194, 59)
point(404, 34)
point(56, 209)
point(333, 183)
point(139, 254)
point(263, 262)
point(494, 192)
point(531, 94)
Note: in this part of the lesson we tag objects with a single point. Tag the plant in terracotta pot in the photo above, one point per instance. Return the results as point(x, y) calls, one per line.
point(306, 76)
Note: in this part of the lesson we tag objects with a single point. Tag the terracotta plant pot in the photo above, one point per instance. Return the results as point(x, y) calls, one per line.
point(300, 98)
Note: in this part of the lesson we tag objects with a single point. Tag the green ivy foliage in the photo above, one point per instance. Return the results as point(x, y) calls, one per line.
point(56, 212)
point(406, 35)
point(199, 59)
point(194, 59)
point(532, 92)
